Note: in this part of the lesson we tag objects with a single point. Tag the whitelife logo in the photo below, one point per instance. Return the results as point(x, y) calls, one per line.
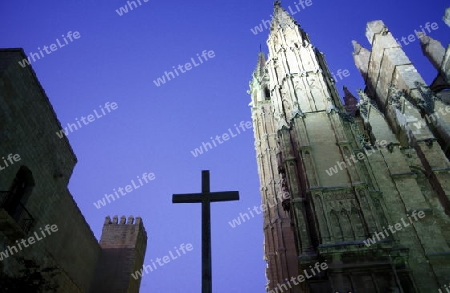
point(300, 278)
point(397, 226)
point(262, 209)
point(124, 9)
point(10, 250)
point(11, 158)
point(188, 66)
point(198, 151)
point(266, 23)
point(432, 118)
point(90, 118)
point(76, 35)
point(341, 73)
point(129, 188)
point(418, 34)
point(334, 170)
point(165, 259)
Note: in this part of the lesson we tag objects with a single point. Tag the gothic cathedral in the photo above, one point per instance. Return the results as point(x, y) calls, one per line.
point(356, 194)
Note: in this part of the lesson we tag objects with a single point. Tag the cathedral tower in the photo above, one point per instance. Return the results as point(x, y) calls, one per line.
point(336, 179)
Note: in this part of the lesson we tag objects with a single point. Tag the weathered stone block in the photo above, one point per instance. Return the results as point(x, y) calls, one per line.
point(373, 28)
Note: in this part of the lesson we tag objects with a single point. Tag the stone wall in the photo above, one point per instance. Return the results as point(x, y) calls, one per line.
point(28, 126)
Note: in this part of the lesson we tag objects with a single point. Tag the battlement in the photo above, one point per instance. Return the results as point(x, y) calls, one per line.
point(123, 243)
point(123, 233)
point(123, 220)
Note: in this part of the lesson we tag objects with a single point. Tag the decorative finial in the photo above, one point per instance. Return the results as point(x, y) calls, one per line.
point(277, 3)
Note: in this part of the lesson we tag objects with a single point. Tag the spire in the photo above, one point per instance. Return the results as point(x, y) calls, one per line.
point(281, 18)
point(446, 17)
point(356, 47)
point(432, 49)
point(361, 56)
point(350, 102)
point(260, 66)
point(283, 21)
point(258, 84)
point(373, 28)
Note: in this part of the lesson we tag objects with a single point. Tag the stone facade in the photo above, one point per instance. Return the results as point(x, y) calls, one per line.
point(324, 204)
point(33, 190)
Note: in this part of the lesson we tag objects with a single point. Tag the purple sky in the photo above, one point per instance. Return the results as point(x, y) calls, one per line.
point(155, 128)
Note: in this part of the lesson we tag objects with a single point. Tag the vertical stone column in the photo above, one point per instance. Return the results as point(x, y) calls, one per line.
point(433, 50)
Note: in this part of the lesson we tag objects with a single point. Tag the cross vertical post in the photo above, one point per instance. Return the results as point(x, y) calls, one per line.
point(206, 236)
point(205, 198)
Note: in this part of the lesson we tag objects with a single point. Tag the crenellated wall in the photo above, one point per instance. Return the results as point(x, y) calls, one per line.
point(123, 244)
point(28, 126)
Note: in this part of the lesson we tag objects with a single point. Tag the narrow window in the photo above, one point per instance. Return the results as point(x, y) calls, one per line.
point(19, 192)
point(266, 93)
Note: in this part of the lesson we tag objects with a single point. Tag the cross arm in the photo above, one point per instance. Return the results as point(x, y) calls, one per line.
point(210, 196)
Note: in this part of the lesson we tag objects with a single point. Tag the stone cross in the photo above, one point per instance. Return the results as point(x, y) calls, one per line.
point(206, 197)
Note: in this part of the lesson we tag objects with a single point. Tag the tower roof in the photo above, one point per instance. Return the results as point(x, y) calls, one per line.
point(361, 56)
point(432, 49)
point(281, 17)
point(259, 71)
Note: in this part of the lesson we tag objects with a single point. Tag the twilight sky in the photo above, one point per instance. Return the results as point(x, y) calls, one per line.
point(117, 57)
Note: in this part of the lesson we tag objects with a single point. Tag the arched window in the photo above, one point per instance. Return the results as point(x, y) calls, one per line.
point(19, 192)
